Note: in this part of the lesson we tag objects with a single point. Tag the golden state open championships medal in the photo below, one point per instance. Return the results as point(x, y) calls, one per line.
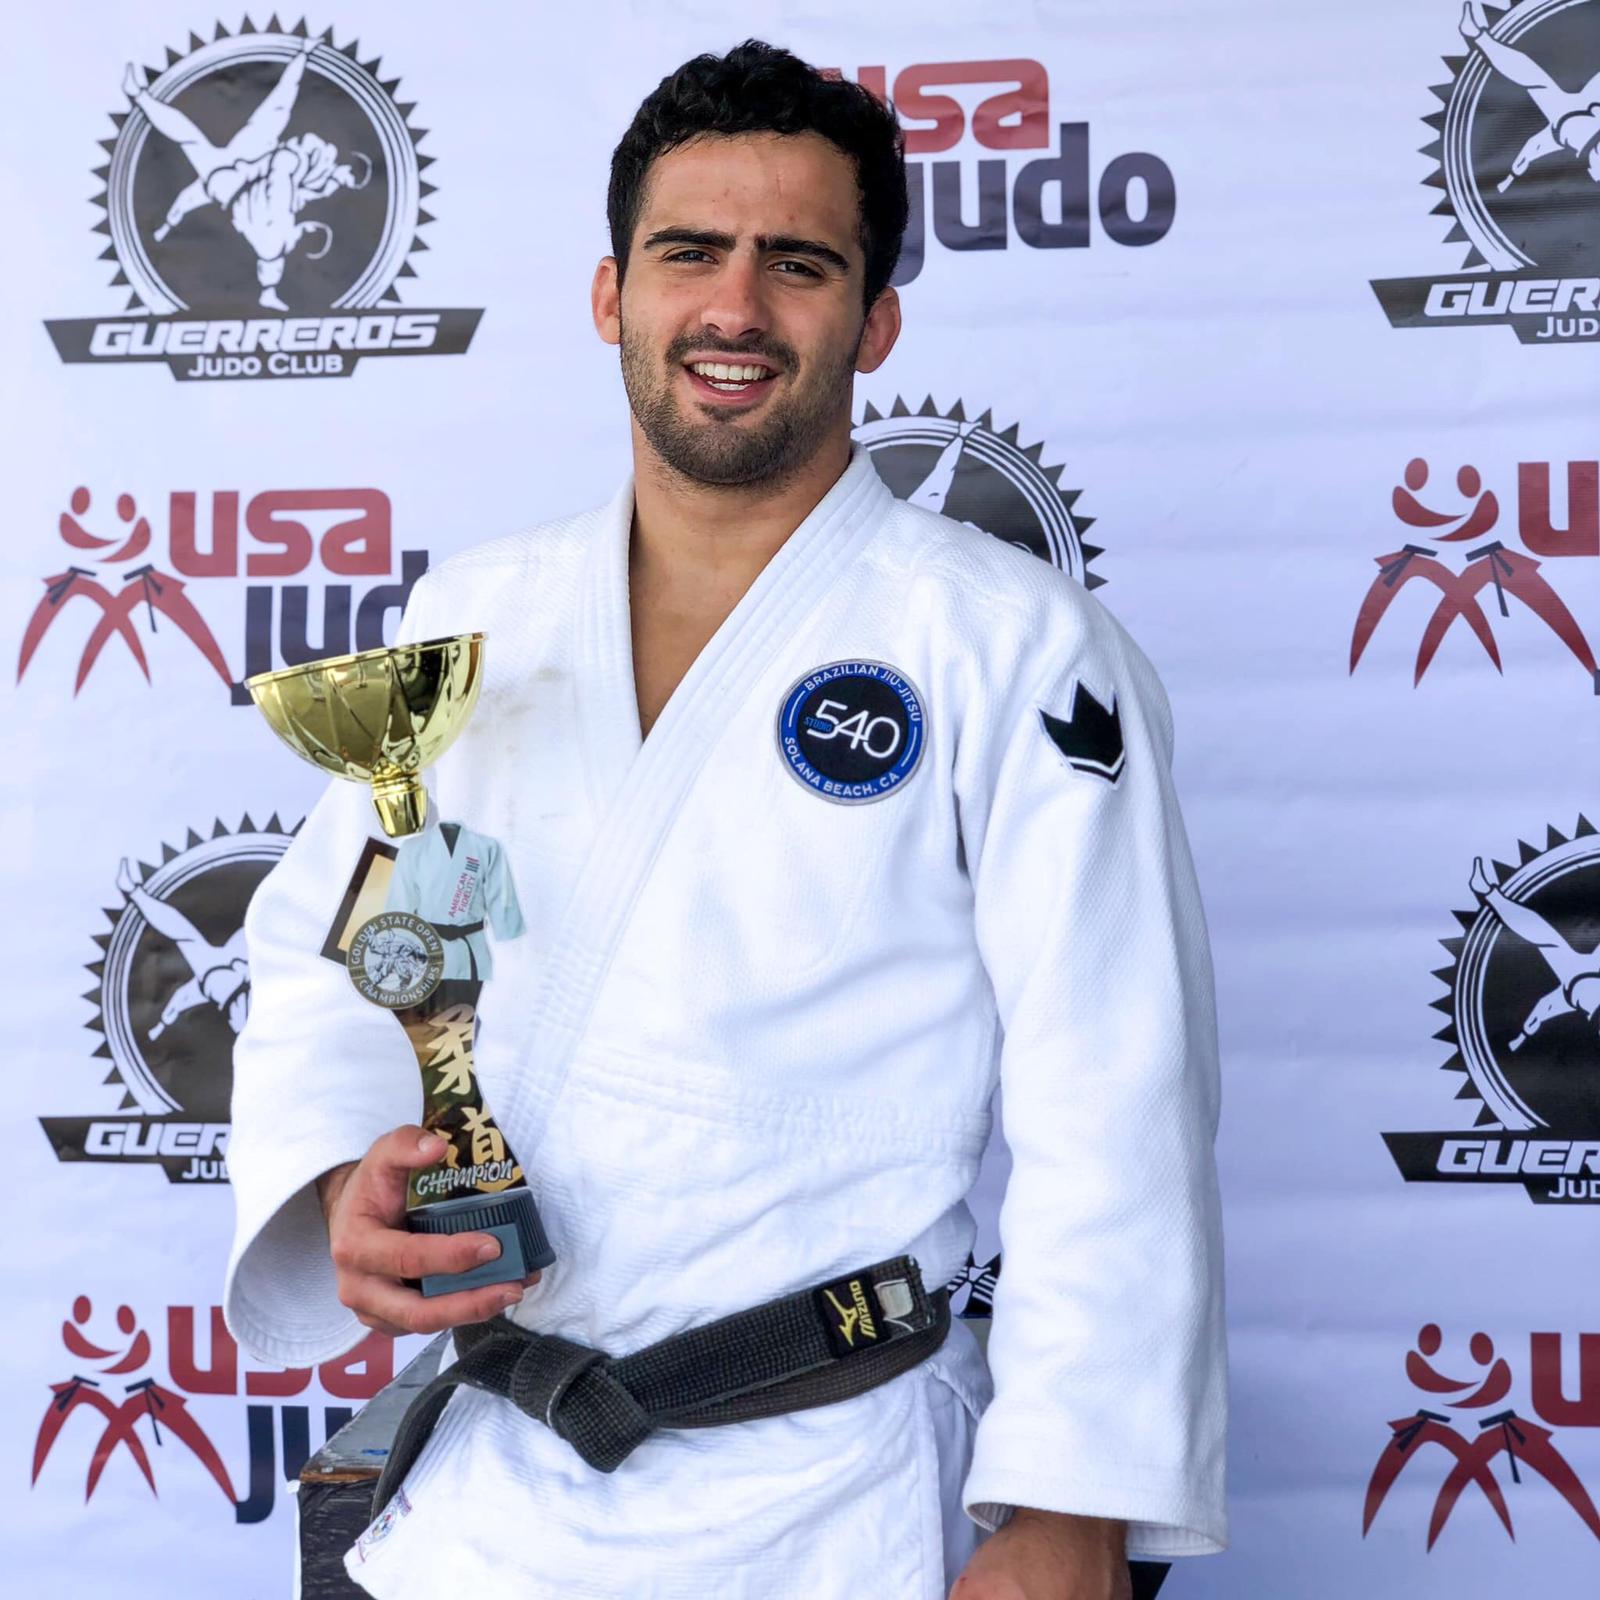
point(413, 928)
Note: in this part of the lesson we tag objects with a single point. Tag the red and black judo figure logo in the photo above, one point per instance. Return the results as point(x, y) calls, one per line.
point(121, 1407)
point(137, 594)
point(980, 475)
point(1468, 568)
point(1479, 1433)
point(1516, 152)
point(112, 1407)
point(1522, 1020)
point(172, 991)
point(141, 591)
point(262, 194)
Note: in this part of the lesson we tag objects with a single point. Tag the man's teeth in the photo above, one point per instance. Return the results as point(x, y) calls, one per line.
point(721, 372)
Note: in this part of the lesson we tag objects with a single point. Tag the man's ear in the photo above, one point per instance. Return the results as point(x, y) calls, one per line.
point(605, 300)
point(880, 332)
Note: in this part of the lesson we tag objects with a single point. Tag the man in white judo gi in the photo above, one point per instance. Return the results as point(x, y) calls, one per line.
point(827, 815)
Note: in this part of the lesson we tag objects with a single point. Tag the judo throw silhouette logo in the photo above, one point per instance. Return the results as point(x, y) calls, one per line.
point(262, 195)
point(172, 991)
point(1516, 152)
point(1478, 1428)
point(1522, 1020)
point(979, 474)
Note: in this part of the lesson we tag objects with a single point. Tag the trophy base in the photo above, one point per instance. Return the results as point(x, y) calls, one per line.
point(511, 1217)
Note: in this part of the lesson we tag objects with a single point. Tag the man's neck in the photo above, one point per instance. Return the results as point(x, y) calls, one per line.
point(693, 553)
point(725, 535)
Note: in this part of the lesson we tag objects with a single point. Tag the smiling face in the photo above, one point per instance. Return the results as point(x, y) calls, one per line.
point(740, 317)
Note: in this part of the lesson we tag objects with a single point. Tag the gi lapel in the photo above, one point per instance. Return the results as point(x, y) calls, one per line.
point(641, 787)
point(608, 707)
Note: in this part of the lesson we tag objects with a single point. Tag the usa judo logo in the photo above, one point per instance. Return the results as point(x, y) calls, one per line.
point(978, 474)
point(172, 992)
point(1478, 1428)
point(262, 195)
point(1051, 202)
point(1477, 574)
point(1516, 149)
point(169, 558)
point(173, 1416)
point(1522, 1020)
point(852, 731)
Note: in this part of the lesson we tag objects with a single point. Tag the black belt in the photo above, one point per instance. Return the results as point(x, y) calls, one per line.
point(460, 930)
point(808, 1349)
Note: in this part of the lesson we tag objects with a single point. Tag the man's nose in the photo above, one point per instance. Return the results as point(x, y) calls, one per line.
point(736, 305)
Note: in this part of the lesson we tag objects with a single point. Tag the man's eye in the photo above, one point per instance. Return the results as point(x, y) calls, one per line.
point(803, 267)
point(680, 255)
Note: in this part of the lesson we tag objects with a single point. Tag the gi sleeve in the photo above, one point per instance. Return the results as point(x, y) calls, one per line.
point(318, 1075)
point(1107, 1345)
point(500, 896)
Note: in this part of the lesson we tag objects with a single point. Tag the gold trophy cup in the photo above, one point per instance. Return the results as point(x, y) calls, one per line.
point(411, 929)
point(379, 717)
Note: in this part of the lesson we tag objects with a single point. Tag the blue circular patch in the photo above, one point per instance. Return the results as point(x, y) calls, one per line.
point(852, 731)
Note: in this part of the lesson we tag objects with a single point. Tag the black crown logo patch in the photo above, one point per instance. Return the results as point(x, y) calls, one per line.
point(1090, 737)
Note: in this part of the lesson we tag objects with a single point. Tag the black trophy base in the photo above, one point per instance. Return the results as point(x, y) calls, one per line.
point(511, 1217)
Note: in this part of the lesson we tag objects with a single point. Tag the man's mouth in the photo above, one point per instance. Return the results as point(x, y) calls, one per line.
point(731, 377)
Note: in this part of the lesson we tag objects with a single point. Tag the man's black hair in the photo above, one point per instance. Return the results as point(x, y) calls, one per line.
point(758, 88)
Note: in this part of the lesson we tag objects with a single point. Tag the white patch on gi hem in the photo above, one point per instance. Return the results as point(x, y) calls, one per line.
point(383, 1525)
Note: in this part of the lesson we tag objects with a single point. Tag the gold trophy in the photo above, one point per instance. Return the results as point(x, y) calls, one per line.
point(411, 930)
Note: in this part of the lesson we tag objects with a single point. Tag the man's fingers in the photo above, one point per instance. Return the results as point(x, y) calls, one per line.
point(392, 1329)
point(373, 1251)
point(405, 1149)
point(409, 1311)
point(394, 1253)
point(378, 1185)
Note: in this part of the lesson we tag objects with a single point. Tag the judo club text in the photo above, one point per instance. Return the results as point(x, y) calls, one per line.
point(135, 561)
point(141, 1422)
point(1050, 202)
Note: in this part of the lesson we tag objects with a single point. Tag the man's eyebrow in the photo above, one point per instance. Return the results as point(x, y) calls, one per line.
point(786, 245)
point(774, 244)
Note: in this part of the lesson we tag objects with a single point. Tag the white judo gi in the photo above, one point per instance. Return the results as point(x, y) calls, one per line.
point(454, 877)
point(749, 1042)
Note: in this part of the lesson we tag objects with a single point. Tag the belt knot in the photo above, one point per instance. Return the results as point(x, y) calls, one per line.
point(571, 1389)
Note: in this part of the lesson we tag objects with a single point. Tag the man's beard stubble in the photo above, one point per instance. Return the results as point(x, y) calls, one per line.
point(723, 451)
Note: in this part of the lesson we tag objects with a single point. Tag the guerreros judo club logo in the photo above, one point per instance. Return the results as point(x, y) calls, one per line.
point(171, 994)
point(1516, 154)
point(979, 474)
point(262, 195)
point(1522, 1023)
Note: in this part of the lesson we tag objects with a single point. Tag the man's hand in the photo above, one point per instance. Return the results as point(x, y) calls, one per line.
point(1048, 1555)
point(365, 1204)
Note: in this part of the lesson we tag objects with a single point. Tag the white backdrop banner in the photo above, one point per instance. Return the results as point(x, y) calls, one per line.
point(1277, 326)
